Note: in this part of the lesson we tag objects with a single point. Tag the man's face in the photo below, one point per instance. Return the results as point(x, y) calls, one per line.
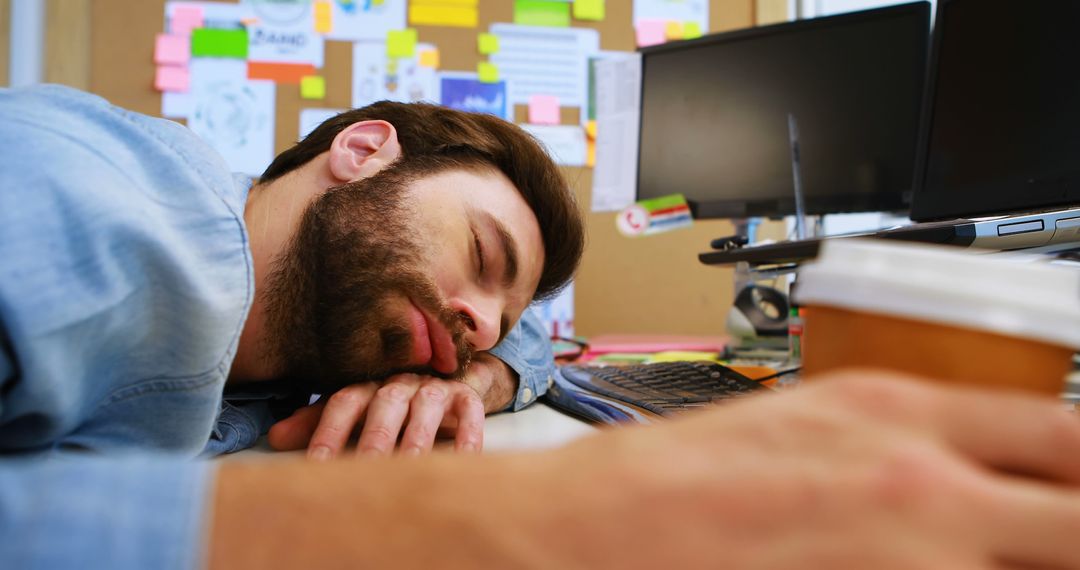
point(386, 276)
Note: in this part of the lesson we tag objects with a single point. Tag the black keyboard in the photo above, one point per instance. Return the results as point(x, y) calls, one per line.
point(664, 388)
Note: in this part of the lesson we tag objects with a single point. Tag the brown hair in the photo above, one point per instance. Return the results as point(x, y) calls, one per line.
point(431, 130)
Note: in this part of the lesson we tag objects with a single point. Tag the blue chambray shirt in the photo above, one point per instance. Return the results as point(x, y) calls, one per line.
point(125, 279)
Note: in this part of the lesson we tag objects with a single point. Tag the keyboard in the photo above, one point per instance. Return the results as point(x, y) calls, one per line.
point(664, 388)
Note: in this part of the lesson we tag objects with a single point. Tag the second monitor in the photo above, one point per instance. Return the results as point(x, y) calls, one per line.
point(714, 116)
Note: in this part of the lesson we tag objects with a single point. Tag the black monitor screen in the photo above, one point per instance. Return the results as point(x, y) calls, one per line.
point(1002, 130)
point(714, 115)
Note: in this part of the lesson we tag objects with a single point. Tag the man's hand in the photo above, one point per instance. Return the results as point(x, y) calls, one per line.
point(408, 404)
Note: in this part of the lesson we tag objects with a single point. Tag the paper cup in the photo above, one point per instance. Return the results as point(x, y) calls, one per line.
point(961, 316)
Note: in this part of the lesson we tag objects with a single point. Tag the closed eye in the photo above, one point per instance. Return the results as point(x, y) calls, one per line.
point(479, 251)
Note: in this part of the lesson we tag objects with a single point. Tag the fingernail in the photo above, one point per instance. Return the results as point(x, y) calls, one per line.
point(320, 453)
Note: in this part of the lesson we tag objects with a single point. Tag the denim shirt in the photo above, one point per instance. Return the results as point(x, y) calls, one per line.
point(125, 280)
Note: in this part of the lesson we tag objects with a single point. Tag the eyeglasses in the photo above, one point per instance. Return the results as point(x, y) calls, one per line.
point(568, 349)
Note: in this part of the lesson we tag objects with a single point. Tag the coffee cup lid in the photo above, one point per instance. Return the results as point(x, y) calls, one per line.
point(1006, 293)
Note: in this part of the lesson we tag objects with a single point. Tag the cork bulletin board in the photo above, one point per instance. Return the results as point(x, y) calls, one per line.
point(651, 284)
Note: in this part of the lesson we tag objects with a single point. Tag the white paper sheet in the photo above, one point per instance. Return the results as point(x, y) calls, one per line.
point(618, 117)
point(557, 314)
point(284, 32)
point(353, 20)
point(232, 114)
point(679, 10)
point(376, 77)
point(545, 61)
point(215, 14)
point(311, 118)
point(565, 143)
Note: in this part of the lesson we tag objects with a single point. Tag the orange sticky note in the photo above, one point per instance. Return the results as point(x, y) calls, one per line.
point(590, 129)
point(324, 17)
point(170, 78)
point(673, 30)
point(544, 110)
point(172, 50)
point(291, 73)
point(590, 153)
point(429, 58)
point(651, 32)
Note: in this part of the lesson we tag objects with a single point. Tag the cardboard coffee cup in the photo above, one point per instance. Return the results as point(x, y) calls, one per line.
point(945, 313)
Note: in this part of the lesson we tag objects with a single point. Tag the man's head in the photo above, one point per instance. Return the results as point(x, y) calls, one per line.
point(420, 236)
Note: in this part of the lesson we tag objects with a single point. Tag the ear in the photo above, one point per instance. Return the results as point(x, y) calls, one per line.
point(362, 149)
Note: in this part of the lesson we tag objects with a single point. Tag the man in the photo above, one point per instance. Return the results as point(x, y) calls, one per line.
point(103, 210)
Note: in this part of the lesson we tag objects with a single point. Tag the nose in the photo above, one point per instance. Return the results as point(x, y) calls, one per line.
point(482, 318)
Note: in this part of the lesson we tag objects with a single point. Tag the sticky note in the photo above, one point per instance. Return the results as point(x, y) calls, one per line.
point(651, 32)
point(185, 19)
point(324, 17)
point(290, 73)
point(590, 129)
point(429, 58)
point(401, 43)
point(313, 87)
point(206, 42)
point(487, 44)
point(458, 13)
point(691, 30)
point(589, 10)
point(172, 50)
point(487, 72)
point(673, 30)
point(172, 78)
point(590, 153)
point(544, 110)
point(542, 13)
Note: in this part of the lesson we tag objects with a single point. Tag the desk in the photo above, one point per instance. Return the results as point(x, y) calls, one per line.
point(537, 427)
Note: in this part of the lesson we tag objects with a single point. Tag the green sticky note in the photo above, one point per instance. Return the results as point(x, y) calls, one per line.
point(313, 87)
point(401, 43)
point(691, 30)
point(541, 13)
point(589, 9)
point(210, 42)
point(487, 43)
point(487, 72)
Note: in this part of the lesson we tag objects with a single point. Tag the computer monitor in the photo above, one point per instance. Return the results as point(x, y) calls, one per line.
point(1002, 127)
point(714, 115)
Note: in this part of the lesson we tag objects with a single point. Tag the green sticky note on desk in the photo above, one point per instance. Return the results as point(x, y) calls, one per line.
point(211, 42)
point(487, 72)
point(589, 10)
point(542, 13)
point(401, 43)
point(487, 43)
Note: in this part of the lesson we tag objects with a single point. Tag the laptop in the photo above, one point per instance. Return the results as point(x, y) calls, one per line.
point(998, 158)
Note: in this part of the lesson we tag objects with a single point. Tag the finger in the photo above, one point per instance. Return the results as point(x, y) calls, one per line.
point(1033, 525)
point(470, 426)
point(295, 431)
point(343, 411)
point(385, 416)
point(425, 414)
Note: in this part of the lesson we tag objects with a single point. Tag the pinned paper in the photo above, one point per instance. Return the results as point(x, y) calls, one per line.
point(173, 79)
point(429, 58)
point(691, 30)
point(589, 10)
point(313, 87)
point(544, 110)
point(207, 42)
point(487, 43)
point(458, 13)
point(324, 17)
point(185, 19)
point(651, 32)
point(542, 13)
point(401, 43)
point(172, 50)
point(653, 216)
point(487, 72)
point(673, 30)
point(290, 73)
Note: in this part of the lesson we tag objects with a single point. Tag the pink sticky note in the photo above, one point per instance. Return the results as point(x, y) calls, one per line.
point(185, 19)
point(170, 78)
point(544, 110)
point(172, 50)
point(651, 32)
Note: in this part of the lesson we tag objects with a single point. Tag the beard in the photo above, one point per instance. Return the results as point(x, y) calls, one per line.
point(337, 300)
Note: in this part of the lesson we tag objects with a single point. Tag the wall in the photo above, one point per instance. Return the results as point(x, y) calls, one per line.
point(652, 284)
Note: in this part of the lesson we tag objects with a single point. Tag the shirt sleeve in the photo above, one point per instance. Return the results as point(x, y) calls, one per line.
point(79, 511)
point(527, 350)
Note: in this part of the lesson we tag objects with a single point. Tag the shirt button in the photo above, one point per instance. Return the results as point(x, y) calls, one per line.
point(526, 395)
point(550, 381)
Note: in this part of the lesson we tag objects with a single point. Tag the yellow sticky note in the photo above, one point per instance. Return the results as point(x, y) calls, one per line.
point(429, 58)
point(401, 43)
point(435, 14)
point(589, 10)
point(487, 43)
point(691, 30)
point(487, 72)
point(590, 153)
point(376, 2)
point(590, 129)
point(324, 23)
point(673, 30)
point(313, 87)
